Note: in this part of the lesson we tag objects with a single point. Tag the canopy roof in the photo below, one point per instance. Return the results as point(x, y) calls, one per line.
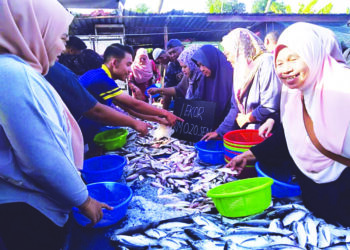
point(151, 29)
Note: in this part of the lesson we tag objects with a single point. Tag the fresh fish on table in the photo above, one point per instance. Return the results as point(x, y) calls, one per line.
point(181, 181)
point(155, 233)
point(134, 241)
point(171, 225)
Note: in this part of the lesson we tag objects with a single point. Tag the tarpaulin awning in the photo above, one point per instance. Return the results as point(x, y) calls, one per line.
point(100, 4)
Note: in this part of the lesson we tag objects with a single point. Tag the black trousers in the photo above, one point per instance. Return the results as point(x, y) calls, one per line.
point(330, 201)
point(22, 227)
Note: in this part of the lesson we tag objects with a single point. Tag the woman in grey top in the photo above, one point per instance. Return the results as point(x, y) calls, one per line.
point(257, 88)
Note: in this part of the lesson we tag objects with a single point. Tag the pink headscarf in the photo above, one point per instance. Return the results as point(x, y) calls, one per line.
point(29, 29)
point(248, 52)
point(142, 72)
point(326, 94)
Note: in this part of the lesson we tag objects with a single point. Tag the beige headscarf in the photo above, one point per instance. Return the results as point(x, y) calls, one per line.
point(29, 29)
point(247, 49)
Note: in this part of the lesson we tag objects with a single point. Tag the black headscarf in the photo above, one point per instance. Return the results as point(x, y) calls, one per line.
point(219, 86)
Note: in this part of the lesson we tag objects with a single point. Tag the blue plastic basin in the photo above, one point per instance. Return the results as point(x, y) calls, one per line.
point(282, 186)
point(156, 85)
point(103, 168)
point(211, 152)
point(115, 195)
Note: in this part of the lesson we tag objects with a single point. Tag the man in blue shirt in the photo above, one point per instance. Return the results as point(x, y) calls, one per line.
point(101, 84)
point(81, 103)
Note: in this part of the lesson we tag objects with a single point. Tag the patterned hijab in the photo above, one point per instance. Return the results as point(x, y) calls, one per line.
point(246, 49)
point(142, 72)
point(30, 29)
point(326, 93)
point(185, 58)
point(195, 72)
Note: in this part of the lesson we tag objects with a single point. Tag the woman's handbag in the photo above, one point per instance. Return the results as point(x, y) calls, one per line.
point(310, 131)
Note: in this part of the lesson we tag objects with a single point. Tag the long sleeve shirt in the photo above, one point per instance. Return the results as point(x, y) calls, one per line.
point(262, 99)
point(36, 156)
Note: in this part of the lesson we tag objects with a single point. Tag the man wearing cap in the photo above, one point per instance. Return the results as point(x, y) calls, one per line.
point(161, 57)
point(173, 73)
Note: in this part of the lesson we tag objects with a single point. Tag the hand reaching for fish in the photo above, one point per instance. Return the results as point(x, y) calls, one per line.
point(210, 136)
point(171, 118)
point(240, 161)
point(92, 209)
point(142, 127)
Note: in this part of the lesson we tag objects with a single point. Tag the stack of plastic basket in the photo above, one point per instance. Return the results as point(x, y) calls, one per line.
point(238, 141)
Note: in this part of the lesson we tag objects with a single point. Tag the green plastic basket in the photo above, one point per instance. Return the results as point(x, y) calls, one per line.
point(226, 143)
point(236, 148)
point(111, 139)
point(243, 197)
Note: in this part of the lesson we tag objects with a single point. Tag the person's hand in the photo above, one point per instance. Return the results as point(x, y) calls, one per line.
point(171, 118)
point(266, 128)
point(160, 120)
point(153, 91)
point(92, 209)
point(240, 161)
point(138, 94)
point(242, 119)
point(210, 136)
point(142, 127)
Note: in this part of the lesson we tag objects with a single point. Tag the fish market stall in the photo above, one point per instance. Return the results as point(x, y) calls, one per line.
point(170, 208)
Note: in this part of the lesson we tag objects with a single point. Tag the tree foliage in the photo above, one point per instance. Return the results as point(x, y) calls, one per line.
point(142, 8)
point(222, 6)
point(259, 6)
point(310, 8)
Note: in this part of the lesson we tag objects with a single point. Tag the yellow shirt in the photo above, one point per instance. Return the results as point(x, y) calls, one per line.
point(111, 93)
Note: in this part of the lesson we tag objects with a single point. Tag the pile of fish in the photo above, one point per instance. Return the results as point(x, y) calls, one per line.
point(181, 179)
point(289, 226)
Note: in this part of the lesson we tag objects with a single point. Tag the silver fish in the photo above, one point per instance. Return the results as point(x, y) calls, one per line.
point(311, 230)
point(171, 225)
point(300, 233)
point(172, 243)
point(293, 216)
point(134, 241)
point(324, 236)
point(155, 233)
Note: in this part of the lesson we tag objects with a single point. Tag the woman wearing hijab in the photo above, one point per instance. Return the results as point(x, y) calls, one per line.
point(143, 74)
point(189, 82)
point(256, 85)
point(309, 62)
point(216, 85)
point(40, 142)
